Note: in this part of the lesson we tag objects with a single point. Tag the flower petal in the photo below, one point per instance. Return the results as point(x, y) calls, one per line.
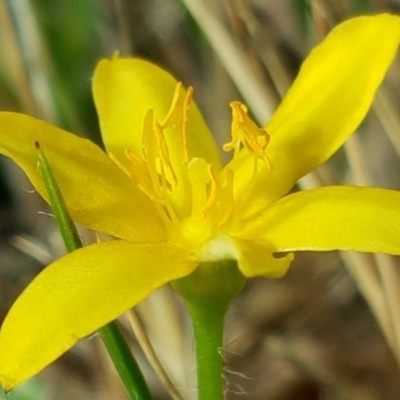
point(255, 258)
point(125, 89)
point(77, 295)
point(97, 193)
point(332, 218)
point(327, 102)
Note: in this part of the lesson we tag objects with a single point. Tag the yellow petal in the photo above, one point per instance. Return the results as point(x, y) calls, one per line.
point(77, 295)
point(327, 102)
point(255, 258)
point(332, 218)
point(125, 89)
point(97, 193)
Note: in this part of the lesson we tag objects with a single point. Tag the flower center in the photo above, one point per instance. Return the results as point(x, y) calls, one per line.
point(195, 201)
point(191, 198)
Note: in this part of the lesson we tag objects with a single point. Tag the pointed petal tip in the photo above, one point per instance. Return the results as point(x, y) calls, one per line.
point(7, 382)
point(317, 114)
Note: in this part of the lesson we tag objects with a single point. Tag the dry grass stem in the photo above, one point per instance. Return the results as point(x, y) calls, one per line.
point(388, 116)
point(387, 270)
point(233, 59)
point(148, 350)
point(35, 56)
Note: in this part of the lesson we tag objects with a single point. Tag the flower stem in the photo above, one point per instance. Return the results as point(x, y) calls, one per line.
point(208, 324)
point(208, 292)
point(115, 343)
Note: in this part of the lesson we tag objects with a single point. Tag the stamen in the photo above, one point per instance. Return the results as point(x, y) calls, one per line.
point(150, 151)
point(159, 166)
point(186, 107)
point(177, 117)
point(135, 159)
point(211, 197)
point(140, 175)
point(181, 187)
point(245, 131)
point(175, 100)
point(120, 165)
point(167, 203)
point(164, 154)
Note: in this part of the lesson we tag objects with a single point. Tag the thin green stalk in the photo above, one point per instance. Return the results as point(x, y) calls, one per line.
point(119, 351)
point(208, 326)
point(124, 363)
point(208, 292)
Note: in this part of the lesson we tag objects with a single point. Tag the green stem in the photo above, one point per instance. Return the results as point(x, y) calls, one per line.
point(115, 343)
point(208, 292)
point(124, 363)
point(208, 324)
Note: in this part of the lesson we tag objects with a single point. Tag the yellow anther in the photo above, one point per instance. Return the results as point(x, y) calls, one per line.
point(245, 131)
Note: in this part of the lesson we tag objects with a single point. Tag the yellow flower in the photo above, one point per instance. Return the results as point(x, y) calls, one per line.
point(163, 192)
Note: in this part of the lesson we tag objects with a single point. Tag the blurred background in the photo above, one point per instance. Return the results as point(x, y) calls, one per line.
point(329, 330)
